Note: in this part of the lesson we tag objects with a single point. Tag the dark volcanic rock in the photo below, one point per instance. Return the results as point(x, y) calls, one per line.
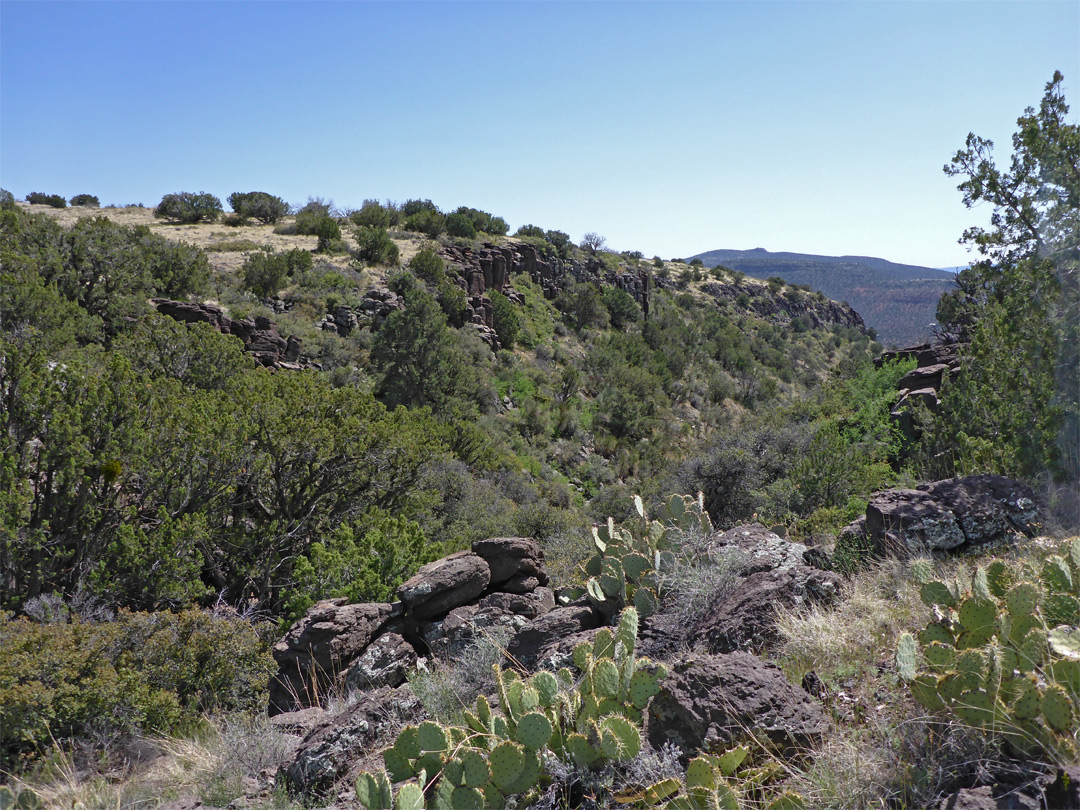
point(259, 336)
point(754, 549)
point(528, 645)
point(746, 620)
point(440, 586)
point(947, 514)
point(714, 701)
point(333, 747)
point(512, 557)
point(385, 662)
point(319, 647)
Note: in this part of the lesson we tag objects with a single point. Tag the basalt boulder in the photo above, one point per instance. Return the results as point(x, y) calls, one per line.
point(440, 586)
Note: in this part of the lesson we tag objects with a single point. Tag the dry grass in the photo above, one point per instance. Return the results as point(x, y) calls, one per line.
point(230, 758)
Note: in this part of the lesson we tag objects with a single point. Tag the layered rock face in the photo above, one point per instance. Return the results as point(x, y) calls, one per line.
point(936, 363)
point(259, 335)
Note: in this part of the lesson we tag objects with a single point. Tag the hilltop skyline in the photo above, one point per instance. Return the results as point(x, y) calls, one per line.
point(668, 128)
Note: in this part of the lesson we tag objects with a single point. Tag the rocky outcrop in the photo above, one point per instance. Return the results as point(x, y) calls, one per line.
point(935, 364)
point(539, 640)
point(445, 607)
point(259, 335)
point(945, 515)
point(785, 306)
point(333, 749)
point(766, 573)
point(715, 701)
point(319, 647)
point(746, 619)
point(374, 308)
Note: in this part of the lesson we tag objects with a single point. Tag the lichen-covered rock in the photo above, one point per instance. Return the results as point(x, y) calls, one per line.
point(464, 626)
point(332, 750)
point(746, 620)
point(319, 647)
point(440, 586)
point(530, 605)
point(715, 701)
point(528, 645)
point(988, 507)
point(907, 520)
point(753, 548)
point(512, 558)
point(386, 662)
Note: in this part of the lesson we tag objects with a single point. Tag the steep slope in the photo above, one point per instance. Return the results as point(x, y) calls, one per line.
point(898, 300)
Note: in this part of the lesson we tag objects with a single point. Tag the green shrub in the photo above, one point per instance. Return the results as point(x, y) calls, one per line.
point(483, 221)
point(506, 319)
point(265, 273)
point(327, 230)
point(364, 560)
point(88, 200)
point(374, 246)
point(461, 226)
point(530, 230)
point(153, 673)
point(188, 207)
point(425, 221)
point(309, 215)
point(234, 246)
point(453, 301)
point(259, 205)
point(411, 207)
point(38, 198)
point(373, 214)
point(621, 306)
point(428, 265)
point(7, 200)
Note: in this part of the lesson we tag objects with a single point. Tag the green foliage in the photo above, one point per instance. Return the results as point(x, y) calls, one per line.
point(308, 217)
point(327, 230)
point(7, 200)
point(429, 266)
point(621, 306)
point(259, 205)
point(364, 560)
point(40, 198)
point(460, 225)
point(428, 221)
point(506, 319)
point(375, 247)
point(373, 214)
point(633, 558)
point(481, 221)
point(1002, 653)
point(143, 672)
point(419, 359)
point(583, 305)
point(87, 200)
point(583, 725)
point(189, 207)
point(1015, 408)
point(105, 270)
point(265, 273)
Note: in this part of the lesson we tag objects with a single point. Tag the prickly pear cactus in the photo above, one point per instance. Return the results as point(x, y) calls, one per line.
point(630, 556)
point(1003, 654)
point(586, 722)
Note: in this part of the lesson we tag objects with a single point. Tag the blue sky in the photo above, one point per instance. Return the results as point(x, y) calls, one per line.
point(670, 128)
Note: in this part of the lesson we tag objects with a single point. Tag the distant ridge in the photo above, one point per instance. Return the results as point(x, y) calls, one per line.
point(898, 300)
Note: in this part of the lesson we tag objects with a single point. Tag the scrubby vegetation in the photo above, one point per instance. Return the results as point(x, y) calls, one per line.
point(168, 506)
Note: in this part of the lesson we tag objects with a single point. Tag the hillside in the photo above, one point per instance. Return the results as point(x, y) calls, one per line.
point(898, 300)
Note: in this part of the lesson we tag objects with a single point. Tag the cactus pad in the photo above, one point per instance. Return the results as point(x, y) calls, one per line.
point(937, 593)
point(787, 801)
point(646, 601)
point(980, 585)
point(1022, 600)
point(580, 751)
point(976, 613)
point(619, 738)
point(506, 761)
point(603, 644)
point(975, 708)
point(1026, 705)
point(534, 730)
point(466, 798)
point(699, 774)
point(7, 798)
point(922, 570)
point(1056, 708)
point(906, 650)
point(926, 690)
point(606, 678)
point(935, 632)
point(940, 656)
point(410, 796)
point(431, 737)
point(475, 769)
point(529, 775)
point(582, 655)
point(1056, 574)
point(398, 765)
point(1061, 608)
point(373, 791)
point(546, 686)
point(643, 686)
point(998, 578)
point(627, 631)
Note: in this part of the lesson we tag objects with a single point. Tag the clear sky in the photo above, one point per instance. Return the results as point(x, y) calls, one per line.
point(670, 128)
